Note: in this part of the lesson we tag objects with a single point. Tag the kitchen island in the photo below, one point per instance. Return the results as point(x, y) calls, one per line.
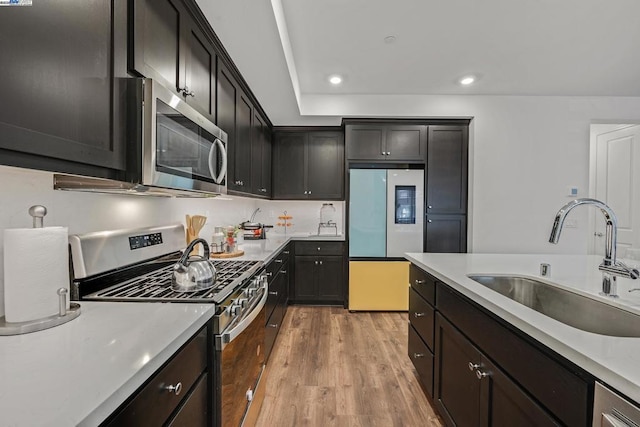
point(613, 360)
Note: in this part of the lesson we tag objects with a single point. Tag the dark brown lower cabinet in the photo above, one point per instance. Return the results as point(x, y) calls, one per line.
point(319, 279)
point(177, 395)
point(472, 391)
point(422, 359)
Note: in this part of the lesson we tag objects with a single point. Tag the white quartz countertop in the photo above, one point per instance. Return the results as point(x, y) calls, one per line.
point(265, 249)
point(614, 360)
point(80, 372)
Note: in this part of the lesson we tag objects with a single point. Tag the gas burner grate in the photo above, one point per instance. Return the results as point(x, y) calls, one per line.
point(156, 285)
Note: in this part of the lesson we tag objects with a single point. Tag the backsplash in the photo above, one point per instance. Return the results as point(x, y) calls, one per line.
point(86, 212)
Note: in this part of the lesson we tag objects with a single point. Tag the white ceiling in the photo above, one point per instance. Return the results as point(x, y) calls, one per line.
point(286, 49)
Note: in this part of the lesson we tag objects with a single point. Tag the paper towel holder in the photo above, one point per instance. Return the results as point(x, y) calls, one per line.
point(38, 212)
point(18, 328)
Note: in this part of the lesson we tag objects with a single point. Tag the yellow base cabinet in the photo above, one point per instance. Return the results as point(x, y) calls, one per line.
point(379, 285)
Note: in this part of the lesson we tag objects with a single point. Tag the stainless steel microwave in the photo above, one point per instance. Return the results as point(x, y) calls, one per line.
point(172, 149)
point(181, 148)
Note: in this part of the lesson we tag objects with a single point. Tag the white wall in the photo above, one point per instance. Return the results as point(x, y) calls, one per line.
point(85, 212)
point(525, 152)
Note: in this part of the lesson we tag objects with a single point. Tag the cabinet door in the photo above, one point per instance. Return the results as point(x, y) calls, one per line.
point(157, 41)
point(506, 404)
point(456, 386)
point(200, 72)
point(330, 277)
point(226, 119)
point(365, 142)
point(266, 162)
point(257, 141)
point(446, 233)
point(59, 96)
point(325, 166)
point(242, 161)
point(260, 157)
point(305, 281)
point(405, 142)
point(447, 154)
point(288, 165)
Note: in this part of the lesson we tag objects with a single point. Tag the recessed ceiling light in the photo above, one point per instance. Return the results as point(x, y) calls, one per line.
point(465, 81)
point(335, 79)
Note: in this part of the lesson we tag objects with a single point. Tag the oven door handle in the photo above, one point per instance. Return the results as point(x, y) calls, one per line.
point(229, 336)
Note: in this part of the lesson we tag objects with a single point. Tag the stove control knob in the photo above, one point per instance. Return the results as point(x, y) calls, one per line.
point(251, 292)
point(243, 302)
point(235, 309)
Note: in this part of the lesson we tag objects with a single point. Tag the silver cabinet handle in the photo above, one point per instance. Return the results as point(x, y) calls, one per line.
point(286, 252)
point(273, 292)
point(186, 92)
point(279, 261)
point(429, 221)
point(318, 248)
point(309, 191)
point(273, 325)
point(420, 282)
point(418, 314)
point(418, 355)
point(269, 274)
point(388, 153)
point(316, 262)
point(320, 262)
point(174, 388)
point(473, 366)
point(283, 271)
point(481, 374)
point(429, 207)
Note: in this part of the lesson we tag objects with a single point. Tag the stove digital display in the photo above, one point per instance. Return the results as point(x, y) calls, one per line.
point(137, 242)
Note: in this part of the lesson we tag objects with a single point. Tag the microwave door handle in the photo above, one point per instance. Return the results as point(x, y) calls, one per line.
point(218, 177)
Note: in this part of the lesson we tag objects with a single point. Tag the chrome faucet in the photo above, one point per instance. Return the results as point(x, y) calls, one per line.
point(610, 267)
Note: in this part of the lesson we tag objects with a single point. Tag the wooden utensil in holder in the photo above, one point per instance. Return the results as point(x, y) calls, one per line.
point(194, 225)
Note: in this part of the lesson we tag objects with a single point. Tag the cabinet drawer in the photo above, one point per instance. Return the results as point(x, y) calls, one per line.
point(194, 412)
point(276, 291)
point(423, 283)
point(277, 263)
point(274, 324)
point(319, 248)
point(153, 403)
point(422, 359)
point(421, 316)
point(562, 388)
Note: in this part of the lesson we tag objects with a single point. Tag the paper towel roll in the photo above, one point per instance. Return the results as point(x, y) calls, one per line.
point(36, 265)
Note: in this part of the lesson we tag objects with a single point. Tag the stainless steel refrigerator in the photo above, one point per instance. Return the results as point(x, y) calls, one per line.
point(386, 212)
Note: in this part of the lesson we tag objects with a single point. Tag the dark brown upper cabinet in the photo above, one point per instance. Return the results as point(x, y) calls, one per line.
point(308, 165)
point(234, 114)
point(386, 142)
point(446, 170)
point(63, 97)
point(260, 157)
point(167, 45)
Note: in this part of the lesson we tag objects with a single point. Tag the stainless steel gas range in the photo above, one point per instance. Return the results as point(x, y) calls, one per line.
point(136, 265)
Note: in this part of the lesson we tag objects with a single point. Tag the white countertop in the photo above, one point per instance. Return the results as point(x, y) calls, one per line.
point(80, 372)
point(614, 360)
point(265, 249)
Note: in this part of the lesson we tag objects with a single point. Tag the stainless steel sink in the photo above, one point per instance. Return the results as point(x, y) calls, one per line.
point(564, 306)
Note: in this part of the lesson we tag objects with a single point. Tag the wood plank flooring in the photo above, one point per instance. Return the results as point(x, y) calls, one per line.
point(330, 367)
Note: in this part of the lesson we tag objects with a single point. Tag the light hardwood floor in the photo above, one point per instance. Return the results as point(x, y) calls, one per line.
point(330, 367)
